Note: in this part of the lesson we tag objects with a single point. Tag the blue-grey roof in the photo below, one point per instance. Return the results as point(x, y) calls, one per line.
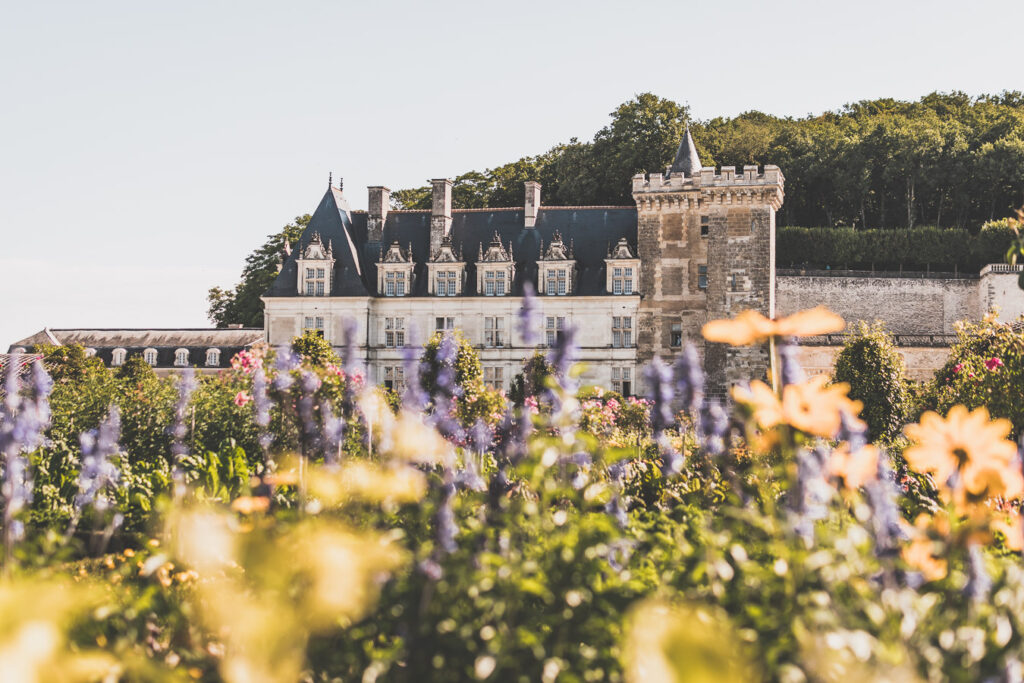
point(686, 162)
point(591, 230)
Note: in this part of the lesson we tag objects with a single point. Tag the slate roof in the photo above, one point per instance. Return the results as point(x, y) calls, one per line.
point(166, 341)
point(686, 162)
point(592, 231)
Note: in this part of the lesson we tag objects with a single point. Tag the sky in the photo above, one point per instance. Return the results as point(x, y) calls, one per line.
point(146, 148)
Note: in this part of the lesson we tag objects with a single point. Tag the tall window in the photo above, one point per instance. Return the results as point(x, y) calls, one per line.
point(676, 335)
point(557, 281)
point(494, 331)
point(702, 277)
point(494, 283)
point(213, 357)
point(622, 381)
point(394, 377)
point(554, 328)
point(394, 284)
point(181, 358)
point(494, 378)
point(149, 355)
point(314, 324)
point(443, 324)
point(705, 225)
point(117, 357)
point(394, 332)
point(622, 331)
point(444, 284)
point(316, 281)
point(622, 280)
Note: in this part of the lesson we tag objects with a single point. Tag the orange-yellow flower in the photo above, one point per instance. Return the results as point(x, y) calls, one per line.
point(750, 327)
point(921, 553)
point(855, 469)
point(1012, 528)
point(970, 442)
point(814, 408)
point(762, 401)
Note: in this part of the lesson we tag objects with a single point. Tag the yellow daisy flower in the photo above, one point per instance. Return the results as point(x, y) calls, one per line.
point(965, 440)
point(855, 469)
point(751, 327)
point(816, 409)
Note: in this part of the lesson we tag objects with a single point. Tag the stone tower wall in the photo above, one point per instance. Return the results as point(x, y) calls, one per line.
point(738, 250)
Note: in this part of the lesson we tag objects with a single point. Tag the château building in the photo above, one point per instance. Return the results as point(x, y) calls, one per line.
point(634, 281)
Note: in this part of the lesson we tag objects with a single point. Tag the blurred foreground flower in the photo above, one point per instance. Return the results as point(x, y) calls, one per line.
point(680, 644)
point(750, 327)
point(811, 407)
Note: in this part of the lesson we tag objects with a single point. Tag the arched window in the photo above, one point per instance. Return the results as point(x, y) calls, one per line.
point(213, 357)
point(181, 358)
point(117, 357)
point(149, 355)
point(90, 352)
point(18, 349)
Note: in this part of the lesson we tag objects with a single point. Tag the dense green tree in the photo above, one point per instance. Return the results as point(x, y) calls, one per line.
point(242, 305)
point(475, 401)
point(314, 348)
point(532, 379)
point(873, 367)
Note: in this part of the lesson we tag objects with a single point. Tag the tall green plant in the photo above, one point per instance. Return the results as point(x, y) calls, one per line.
point(873, 367)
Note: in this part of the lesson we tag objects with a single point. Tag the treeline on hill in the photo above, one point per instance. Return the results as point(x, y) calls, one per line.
point(949, 160)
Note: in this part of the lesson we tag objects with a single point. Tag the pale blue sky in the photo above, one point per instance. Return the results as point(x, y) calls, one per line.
point(146, 148)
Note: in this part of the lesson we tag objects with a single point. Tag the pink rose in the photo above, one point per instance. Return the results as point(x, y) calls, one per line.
point(241, 398)
point(958, 367)
point(993, 364)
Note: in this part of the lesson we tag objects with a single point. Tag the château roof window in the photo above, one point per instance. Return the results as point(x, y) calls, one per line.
point(556, 268)
point(495, 268)
point(316, 267)
point(622, 269)
point(394, 271)
point(445, 270)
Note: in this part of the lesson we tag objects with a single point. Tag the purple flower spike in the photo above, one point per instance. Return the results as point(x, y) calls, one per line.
point(714, 428)
point(689, 379)
point(528, 315)
point(789, 363)
point(659, 387)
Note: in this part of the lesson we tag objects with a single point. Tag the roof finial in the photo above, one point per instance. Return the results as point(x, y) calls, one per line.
point(330, 179)
point(341, 184)
point(686, 162)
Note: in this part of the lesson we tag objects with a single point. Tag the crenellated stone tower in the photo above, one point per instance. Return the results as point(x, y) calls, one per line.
point(707, 242)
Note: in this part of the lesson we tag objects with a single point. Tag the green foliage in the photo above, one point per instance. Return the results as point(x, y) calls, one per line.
point(314, 348)
point(920, 248)
point(873, 367)
point(985, 368)
point(476, 401)
point(532, 380)
point(241, 305)
point(948, 160)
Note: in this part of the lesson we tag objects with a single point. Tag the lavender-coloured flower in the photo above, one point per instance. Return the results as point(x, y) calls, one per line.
point(562, 355)
point(658, 378)
point(414, 398)
point(886, 519)
point(528, 315)
point(98, 473)
point(261, 402)
point(852, 431)
point(349, 348)
point(480, 437)
point(789, 363)
point(444, 519)
point(179, 429)
point(16, 492)
point(333, 433)
point(285, 360)
point(810, 492)
point(714, 428)
point(616, 507)
point(689, 379)
point(308, 384)
point(979, 583)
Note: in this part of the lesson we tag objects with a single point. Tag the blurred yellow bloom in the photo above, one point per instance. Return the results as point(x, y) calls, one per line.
point(970, 442)
point(760, 398)
point(855, 469)
point(1013, 528)
point(815, 409)
point(751, 327)
point(366, 482)
point(247, 505)
point(921, 552)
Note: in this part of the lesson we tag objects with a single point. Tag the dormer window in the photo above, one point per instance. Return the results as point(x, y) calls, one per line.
point(622, 267)
point(495, 268)
point(117, 357)
point(315, 264)
point(445, 269)
point(556, 268)
point(149, 355)
point(394, 271)
point(181, 358)
point(212, 357)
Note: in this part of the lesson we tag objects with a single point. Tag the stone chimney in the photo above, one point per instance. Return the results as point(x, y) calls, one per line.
point(532, 202)
point(441, 213)
point(377, 212)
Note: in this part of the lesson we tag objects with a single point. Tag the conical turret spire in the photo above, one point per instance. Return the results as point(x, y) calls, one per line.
point(686, 162)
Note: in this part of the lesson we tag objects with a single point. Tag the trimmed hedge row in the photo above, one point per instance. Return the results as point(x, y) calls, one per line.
point(920, 248)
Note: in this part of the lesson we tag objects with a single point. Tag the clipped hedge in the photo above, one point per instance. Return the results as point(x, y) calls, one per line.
point(920, 248)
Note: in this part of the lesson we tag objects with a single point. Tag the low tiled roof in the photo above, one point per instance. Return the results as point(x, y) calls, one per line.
point(143, 338)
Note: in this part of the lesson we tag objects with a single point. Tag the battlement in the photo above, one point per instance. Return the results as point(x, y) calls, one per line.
point(725, 187)
point(728, 177)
